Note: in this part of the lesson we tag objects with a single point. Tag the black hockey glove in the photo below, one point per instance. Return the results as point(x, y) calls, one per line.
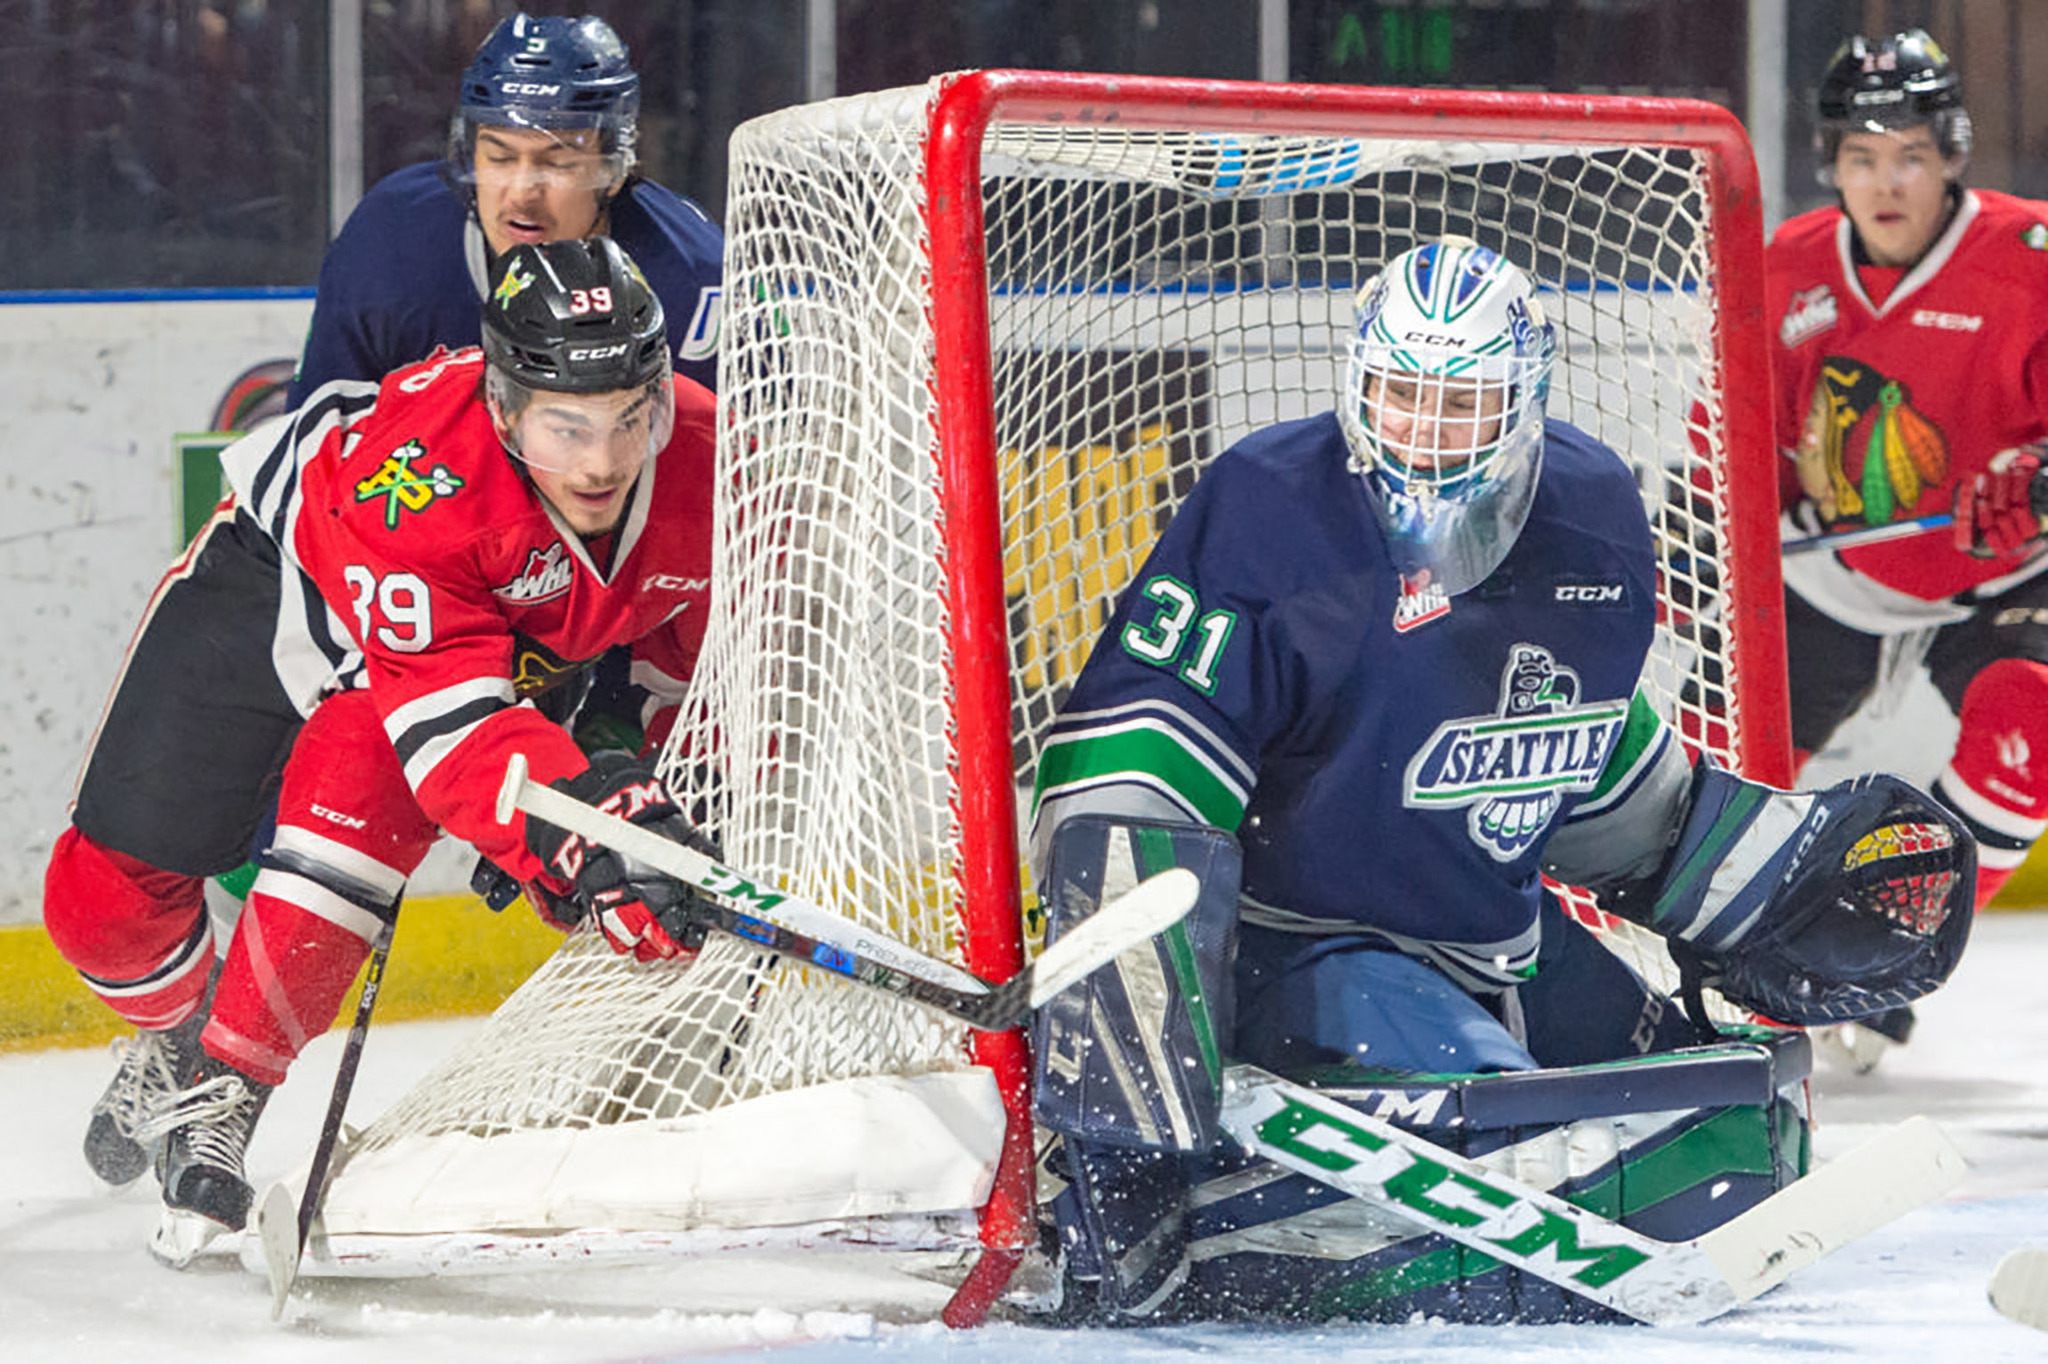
point(640, 910)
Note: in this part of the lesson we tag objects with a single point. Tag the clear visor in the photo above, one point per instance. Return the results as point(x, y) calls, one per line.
point(1449, 445)
point(514, 143)
point(593, 435)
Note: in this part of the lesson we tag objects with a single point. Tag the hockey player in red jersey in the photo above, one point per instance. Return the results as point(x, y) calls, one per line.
point(362, 631)
point(1911, 378)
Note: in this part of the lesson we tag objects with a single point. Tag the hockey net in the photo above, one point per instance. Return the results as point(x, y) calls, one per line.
point(980, 338)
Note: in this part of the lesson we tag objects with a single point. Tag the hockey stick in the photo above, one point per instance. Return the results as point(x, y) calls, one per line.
point(2019, 1287)
point(1868, 535)
point(783, 923)
point(1659, 1282)
point(280, 1225)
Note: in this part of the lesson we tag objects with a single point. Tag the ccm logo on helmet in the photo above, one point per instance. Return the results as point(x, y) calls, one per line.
point(1432, 339)
point(529, 88)
point(596, 352)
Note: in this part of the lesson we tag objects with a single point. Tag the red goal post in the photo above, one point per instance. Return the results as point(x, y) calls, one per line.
point(968, 106)
point(980, 337)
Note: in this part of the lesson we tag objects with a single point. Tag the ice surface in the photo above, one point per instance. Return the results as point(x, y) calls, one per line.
point(76, 1284)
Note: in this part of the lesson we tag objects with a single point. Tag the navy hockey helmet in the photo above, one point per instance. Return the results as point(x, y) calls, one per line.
point(574, 317)
point(1887, 84)
point(551, 74)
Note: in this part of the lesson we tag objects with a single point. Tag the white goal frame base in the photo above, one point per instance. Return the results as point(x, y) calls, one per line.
point(781, 1170)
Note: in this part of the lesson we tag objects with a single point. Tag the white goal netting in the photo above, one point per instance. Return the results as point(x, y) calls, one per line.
point(1157, 281)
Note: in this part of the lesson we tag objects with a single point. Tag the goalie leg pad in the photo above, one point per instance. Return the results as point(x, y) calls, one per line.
point(1670, 1145)
point(1585, 1004)
point(1122, 1223)
point(1133, 1055)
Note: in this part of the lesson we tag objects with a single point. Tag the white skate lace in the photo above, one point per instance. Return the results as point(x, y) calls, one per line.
point(218, 1111)
point(143, 1081)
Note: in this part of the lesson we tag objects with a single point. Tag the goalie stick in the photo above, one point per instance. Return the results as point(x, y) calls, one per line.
point(2019, 1287)
point(282, 1224)
point(783, 923)
point(1660, 1282)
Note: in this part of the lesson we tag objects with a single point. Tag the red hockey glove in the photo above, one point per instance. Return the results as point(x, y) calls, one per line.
point(630, 901)
point(1998, 513)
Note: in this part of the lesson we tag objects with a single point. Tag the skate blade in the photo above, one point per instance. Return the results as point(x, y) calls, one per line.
point(182, 1237)
point(277, 1229)
point(1851, 1046)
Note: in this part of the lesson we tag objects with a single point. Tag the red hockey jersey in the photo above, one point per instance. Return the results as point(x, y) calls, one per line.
point(1895, 401)
point(430, 569)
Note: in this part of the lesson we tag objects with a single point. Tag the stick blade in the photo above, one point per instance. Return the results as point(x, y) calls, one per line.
point(1147, 909)
point(1900, 1169)
point(277, 1229)
point(2019, 1287)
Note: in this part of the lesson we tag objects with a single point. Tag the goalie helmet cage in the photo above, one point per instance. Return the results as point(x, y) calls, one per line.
point(980, 337)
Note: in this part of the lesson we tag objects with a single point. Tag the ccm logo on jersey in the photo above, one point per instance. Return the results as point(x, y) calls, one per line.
point(1591, 594)
point(1946, 322)
point(670, 582)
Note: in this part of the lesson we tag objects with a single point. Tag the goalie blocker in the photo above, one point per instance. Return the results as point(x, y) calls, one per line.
point(1811, 906)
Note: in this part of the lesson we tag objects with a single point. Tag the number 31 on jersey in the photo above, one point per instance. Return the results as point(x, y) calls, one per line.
point(1179, 627)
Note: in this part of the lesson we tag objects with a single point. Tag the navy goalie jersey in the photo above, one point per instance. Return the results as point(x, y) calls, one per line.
point(1392, 758)
point(405, 276)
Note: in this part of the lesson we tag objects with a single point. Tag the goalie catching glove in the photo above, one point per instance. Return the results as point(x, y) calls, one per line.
point(1811, 907)
point(640, 911)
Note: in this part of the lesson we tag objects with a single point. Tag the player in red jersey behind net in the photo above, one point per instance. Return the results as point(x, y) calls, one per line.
point(1911, 379)
point(361, 631)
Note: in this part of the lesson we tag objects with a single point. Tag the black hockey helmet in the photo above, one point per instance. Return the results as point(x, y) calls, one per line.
point(574, 317)
point(1885, 84)
point(550, 73)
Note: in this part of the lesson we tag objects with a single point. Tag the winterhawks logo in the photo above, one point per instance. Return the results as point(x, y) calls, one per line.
point(547, 574)
point(1514, 768)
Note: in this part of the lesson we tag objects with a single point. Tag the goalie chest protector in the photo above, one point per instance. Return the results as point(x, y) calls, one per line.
point(1406, 756)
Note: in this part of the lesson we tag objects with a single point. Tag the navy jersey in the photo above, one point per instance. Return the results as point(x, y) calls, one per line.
point(406, 275)
point(1391, 758)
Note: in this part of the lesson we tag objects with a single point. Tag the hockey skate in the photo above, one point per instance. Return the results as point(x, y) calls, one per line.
point(151, 1064)
point(205, 1130)
point(1860, 1045)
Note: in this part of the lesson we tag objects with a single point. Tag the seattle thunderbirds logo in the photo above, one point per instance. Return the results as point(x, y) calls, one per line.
point(1513, 769)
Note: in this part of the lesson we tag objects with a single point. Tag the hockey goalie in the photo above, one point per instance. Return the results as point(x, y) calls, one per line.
point(1362, 688)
